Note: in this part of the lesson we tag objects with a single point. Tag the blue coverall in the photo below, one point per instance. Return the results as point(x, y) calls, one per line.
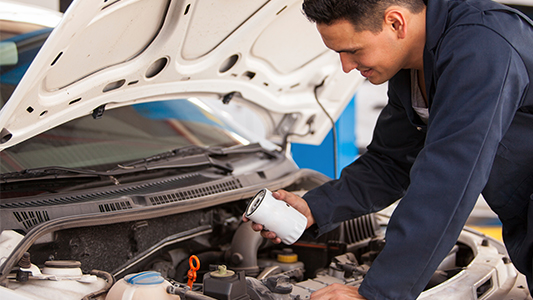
point(478, 64)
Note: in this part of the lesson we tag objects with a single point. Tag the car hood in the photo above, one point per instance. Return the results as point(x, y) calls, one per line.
point(106, 54)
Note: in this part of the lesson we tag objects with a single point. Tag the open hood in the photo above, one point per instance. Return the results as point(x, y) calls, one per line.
point(111, 53)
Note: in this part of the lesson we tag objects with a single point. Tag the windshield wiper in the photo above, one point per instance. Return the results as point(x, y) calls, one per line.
point(186, 151)
point(54, 172)
point(250, 148)
point(185, 157)
point(192, 150)
point(163, 161)
point(211, 151)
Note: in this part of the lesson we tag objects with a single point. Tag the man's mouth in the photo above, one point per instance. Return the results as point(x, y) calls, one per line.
point(366, 73)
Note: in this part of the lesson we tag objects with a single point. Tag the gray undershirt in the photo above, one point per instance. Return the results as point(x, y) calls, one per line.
point(417, 100)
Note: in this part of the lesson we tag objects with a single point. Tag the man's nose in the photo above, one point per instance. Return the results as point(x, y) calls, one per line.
point(347, 63)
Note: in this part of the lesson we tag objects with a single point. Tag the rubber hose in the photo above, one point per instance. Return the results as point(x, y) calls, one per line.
point(108, 278)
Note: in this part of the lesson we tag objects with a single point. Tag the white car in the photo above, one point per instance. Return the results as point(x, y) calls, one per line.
point(121, 177)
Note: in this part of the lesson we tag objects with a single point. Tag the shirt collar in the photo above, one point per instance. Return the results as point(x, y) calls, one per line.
point(436, 15)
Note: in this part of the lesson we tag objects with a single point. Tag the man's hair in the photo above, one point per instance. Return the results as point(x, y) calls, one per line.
point(363, 14)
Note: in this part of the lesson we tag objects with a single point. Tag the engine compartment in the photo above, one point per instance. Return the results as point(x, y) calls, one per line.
point(258, 269)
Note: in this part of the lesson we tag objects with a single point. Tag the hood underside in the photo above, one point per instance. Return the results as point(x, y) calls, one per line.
point(105, 54)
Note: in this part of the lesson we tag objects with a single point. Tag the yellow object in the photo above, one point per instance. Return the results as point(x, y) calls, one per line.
point(493, 231)
point(288, 258)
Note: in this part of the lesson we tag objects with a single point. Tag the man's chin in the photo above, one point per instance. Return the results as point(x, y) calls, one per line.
point(376, 81)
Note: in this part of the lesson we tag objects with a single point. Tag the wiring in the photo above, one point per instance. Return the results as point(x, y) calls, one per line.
point(333, 128)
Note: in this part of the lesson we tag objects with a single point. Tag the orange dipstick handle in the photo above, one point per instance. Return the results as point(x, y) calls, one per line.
point(191, 274)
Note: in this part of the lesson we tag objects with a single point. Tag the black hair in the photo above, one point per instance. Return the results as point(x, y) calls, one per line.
point(363, 14)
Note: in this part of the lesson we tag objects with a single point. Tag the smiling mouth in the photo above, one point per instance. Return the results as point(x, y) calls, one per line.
point(366, 73)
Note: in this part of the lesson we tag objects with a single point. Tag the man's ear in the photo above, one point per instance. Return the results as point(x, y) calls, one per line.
point(395, 20)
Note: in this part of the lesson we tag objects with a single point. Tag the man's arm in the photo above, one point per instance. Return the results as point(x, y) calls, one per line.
point(480, 82)
point(381, 175)
point(337, 291)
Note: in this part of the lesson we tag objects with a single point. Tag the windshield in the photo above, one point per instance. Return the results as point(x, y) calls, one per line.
point(120, 135)
point(17, 51)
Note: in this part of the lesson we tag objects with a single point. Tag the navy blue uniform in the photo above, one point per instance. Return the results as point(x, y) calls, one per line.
point(478, 64)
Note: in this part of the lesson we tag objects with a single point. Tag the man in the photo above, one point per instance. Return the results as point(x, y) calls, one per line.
point(459, 122)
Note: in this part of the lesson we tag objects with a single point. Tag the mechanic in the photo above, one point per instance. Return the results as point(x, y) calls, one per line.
point(459, 122)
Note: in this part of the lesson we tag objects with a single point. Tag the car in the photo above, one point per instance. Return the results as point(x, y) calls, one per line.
point(123, 178)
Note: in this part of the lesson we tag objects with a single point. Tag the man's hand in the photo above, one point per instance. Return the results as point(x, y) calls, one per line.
point(337, 291)
point(293, 200)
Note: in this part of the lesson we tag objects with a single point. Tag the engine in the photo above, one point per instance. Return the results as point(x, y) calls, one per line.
point(214, 255)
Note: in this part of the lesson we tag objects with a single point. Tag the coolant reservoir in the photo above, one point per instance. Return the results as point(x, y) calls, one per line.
point(140, 286)
point(59, 280)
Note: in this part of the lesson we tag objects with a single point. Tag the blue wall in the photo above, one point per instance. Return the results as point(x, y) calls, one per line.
point(320, 158)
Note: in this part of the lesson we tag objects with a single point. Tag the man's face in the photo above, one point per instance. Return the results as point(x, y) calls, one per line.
point(377, 56)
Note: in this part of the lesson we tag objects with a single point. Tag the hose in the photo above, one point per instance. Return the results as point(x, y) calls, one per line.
point(185, 293)
point(244, 248)
point(107, 277)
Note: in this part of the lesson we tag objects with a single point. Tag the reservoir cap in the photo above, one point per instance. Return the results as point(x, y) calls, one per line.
point(144, 278)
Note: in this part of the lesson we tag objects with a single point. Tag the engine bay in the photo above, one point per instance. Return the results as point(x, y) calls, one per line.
point(231, 260)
